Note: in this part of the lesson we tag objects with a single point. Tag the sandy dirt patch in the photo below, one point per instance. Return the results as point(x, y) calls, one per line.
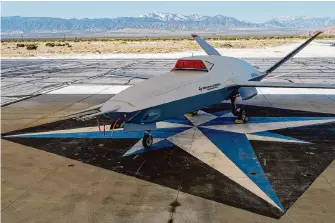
point(13, 49)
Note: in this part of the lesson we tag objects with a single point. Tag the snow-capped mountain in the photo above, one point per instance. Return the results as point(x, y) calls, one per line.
point(301, 22)
point(155, 21)
point(173, 17)
point(162, 16)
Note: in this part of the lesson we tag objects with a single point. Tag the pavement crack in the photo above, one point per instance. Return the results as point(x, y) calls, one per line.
point(140, 167)
point(328, 182)
point(32, 186)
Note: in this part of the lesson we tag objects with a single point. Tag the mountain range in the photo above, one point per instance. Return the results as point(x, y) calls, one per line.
point(155, 21)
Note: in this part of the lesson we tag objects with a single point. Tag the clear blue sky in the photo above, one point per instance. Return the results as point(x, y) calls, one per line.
point(250, 11)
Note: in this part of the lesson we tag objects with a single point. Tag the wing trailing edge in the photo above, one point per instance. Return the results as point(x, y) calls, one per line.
point(281, 85)
point(93, 108)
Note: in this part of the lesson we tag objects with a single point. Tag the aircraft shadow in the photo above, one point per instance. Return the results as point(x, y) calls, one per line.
point(174, 168)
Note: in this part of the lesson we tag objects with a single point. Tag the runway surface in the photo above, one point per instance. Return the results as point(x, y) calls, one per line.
point(278, 168)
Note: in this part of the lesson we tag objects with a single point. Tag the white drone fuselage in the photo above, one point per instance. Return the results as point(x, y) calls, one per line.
point(194, 83)
point(181, 90)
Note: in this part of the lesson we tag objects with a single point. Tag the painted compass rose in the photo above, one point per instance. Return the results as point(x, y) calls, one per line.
point(214, 139)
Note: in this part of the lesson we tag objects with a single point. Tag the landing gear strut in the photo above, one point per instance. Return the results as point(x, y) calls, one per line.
point(241, 113)
point(147, 140)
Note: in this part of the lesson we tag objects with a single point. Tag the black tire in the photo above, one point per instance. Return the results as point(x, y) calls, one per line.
point(147, 141)
point(243, 115)
point(194, 113)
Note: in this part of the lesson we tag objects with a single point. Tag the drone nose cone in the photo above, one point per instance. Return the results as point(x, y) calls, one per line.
point(116, 106)
point(112, 110)
point(110, 107)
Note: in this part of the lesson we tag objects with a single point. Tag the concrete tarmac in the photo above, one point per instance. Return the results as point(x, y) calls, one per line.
point(88, 180)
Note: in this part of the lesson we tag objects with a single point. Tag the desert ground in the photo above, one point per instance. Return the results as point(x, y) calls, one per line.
point(54, 48)
point(11, 49)
point(163, 48)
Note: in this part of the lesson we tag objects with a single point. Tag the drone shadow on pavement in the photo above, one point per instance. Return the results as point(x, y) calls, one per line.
point(177, 169)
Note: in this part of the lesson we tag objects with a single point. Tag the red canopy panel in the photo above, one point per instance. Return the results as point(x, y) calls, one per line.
point(190, 65)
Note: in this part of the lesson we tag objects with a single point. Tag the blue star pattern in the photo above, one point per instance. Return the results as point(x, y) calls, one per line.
point(214, 139)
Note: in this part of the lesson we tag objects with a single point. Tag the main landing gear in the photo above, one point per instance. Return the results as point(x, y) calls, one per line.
point(240, 113)
point(194, 113)
point(147, 140)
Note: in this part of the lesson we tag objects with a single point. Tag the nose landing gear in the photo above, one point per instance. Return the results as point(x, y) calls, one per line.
point(147, 140)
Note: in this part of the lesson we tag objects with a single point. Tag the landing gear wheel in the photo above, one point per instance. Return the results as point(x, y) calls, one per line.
point(241, 114)
point(147, 141)
point(242, 117)
point(194, 113)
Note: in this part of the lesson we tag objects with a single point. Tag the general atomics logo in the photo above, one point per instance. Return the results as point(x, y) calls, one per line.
point(254, 75)
point(151, 115)
point(210, 87)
